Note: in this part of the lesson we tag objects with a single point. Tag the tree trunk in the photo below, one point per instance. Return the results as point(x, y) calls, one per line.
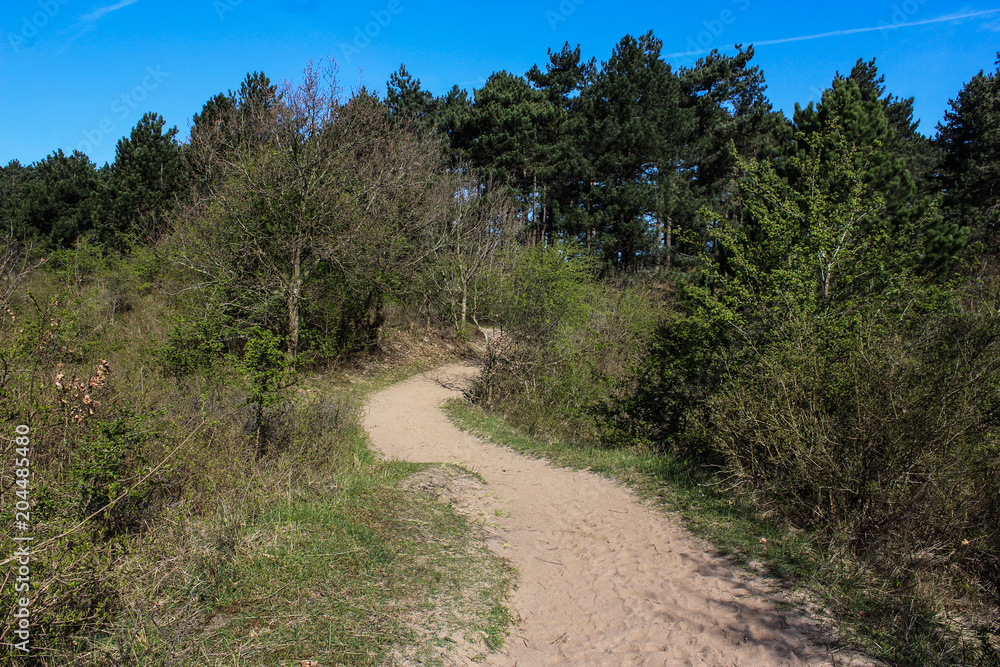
point(465, 301)
point(669, 241)
point(294, 293)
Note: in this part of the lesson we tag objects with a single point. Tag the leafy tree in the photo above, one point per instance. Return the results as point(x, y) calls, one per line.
point(825, 237)
point(333, 193)
point(848, 114)
point(970, 172)
point(821, 243)
point(481, 225)
point(147, 176)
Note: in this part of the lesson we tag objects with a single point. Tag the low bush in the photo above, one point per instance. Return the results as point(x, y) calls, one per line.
point(563, 341)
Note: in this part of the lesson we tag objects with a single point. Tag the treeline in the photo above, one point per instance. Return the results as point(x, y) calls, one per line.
point(622, 156)
point(631, 160)
point(625, 156)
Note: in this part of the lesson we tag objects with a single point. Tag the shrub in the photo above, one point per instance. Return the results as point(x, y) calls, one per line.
point(108, 474)
point(267, 370)
point(880, 429)
point(659, 403)
point(566, 340)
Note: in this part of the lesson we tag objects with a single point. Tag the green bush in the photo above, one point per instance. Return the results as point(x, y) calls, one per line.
point(109, 471)
point(879, 429)
point(192, 346)
point(565, 342)
point(820, 378)
point(660, 402)
point(889, 423)
point(268, 371)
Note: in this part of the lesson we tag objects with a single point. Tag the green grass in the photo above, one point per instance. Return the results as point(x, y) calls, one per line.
point(341, 578)
point(344, 564)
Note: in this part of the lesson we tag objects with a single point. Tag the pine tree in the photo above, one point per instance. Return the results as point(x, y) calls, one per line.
point(55, 198)
point(452, 112)
point(13, 179)
point(504, 135)
point(405, 97)
point(917, 151)
point(861, 120)
point(148, 173)
point(639, 127)
point(734, 122)
point(970, 172)
point(228, 123)
point(565, 76)
point(566, 143)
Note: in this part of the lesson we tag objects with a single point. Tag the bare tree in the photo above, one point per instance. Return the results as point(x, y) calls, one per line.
point(14, 266)
point(325, 187)
point(483, 220)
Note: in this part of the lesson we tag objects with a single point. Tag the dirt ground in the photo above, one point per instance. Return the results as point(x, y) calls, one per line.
point(603, 578)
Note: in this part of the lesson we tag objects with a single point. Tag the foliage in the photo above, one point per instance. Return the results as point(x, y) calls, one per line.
point(563, 340)
point(108, 473)
point(872, 420)
point(192, 346)
point(52, 201)
point(882, 163)
point(268, 371)
point(142, 184)
point(407, 100)
point(875, 426)
point(660, 402)
point(970, 170)
point(335, 199)
point(462, 273)
point(542, 289)
point(834, 387)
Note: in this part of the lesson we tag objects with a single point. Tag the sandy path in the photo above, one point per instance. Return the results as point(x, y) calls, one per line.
point(603, 579)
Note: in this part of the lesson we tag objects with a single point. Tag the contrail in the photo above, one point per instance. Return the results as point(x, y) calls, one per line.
point(86, 22)
point(850, 31)
point(94, 16)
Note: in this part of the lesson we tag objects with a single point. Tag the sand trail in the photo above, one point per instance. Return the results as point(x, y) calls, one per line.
point(603, 579)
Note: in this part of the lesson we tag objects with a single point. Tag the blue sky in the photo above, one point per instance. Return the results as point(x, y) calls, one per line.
point(80, 73)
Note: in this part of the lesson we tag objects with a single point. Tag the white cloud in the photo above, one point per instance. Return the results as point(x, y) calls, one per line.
point(86, 22)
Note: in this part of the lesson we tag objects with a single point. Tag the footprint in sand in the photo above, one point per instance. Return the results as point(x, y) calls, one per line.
point(603, 579)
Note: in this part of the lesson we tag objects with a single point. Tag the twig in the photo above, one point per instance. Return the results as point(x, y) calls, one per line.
point(43, 545)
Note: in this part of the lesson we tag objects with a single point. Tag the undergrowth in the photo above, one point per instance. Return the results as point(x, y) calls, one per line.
point(195, 505)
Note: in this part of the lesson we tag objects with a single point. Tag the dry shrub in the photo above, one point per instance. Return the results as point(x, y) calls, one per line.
point(879, 428)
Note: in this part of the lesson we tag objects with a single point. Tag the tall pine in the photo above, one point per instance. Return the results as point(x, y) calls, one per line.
point(970, 172)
